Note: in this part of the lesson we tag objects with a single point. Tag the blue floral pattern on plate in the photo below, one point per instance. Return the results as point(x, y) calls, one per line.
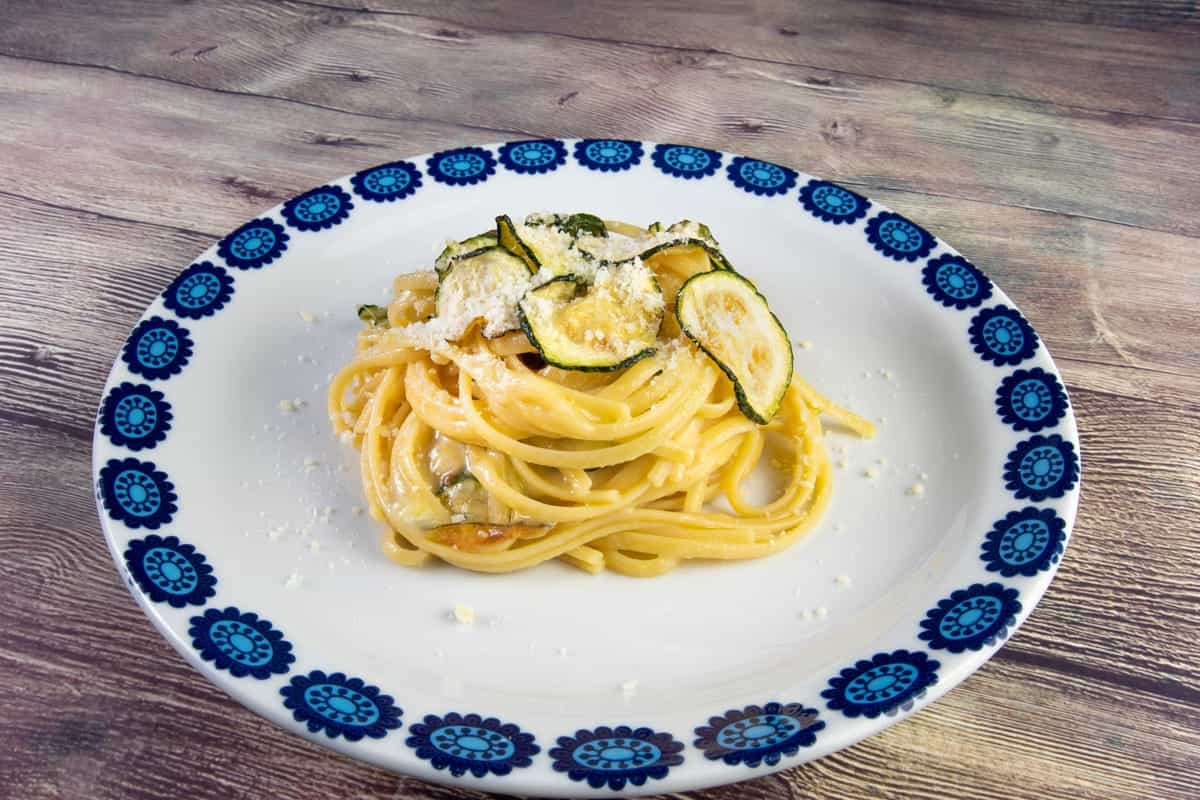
point(616, 756)
point(169, 571)
point(1002, 336)
point(1041, 467)
point(608, 155)
point(387, 182)
point(472, 744)
point(1024, 543)
point(686, 162)
point(757, 734)
point(340, 706)
point(461, 167)
point(832, 203)
point(1031, 399)
point(882, 684)
point(135, 416)
point(971, 618)
point(254, 245)
point(533, 156)
point(899, 238)
point(158, 348)
point(199, 291)
point(241, 642)
point(760, 177)
point(318, 209)
point(955, 282)
point(137, 494)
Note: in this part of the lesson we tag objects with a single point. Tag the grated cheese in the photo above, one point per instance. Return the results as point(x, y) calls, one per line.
point(495, 301)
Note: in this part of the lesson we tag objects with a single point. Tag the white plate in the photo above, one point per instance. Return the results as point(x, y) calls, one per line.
point(235, 506)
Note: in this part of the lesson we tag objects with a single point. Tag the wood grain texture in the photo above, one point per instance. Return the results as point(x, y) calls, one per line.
point(1054, 143)
point(1076, 65)
point(1083, 162)
point(1167, 15)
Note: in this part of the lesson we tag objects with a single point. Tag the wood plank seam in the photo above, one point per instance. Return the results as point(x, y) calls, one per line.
point(276, 98)
point(743, 57)
point(1178, 692)
point(868, 186)
point(524, 132)
point(992, 11)
point(113, 217)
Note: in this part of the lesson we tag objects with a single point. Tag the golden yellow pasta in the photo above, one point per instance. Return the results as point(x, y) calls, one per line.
point(478, 450)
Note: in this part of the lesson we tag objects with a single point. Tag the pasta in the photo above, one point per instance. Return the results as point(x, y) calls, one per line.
point(480, 452)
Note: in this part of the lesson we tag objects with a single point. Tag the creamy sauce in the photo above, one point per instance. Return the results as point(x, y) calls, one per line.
point(447, 458)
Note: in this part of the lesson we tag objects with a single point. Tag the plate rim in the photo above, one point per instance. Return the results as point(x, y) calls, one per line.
point(696, 771)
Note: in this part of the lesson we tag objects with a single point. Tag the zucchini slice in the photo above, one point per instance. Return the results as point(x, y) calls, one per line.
point(715, 256)
point(610, 249)
point(373, 314)
point(686, 234)
point(730, 321)
point(605, 325)
point(539, 246)
point(471, 244)
point(699, 233)
point(673, 265)
point(614, 249)
point(483, 285)
point(465, 497)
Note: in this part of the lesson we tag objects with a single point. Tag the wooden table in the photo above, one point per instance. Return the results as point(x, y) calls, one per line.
point(1056, 144)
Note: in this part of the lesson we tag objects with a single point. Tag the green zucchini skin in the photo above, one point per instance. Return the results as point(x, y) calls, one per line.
point(762, 417)
point(506, 235)
point(464, 249)
point(718, 259)
point(457, 478)
point(576, 225)
point(509, 238)
point(373, 314)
